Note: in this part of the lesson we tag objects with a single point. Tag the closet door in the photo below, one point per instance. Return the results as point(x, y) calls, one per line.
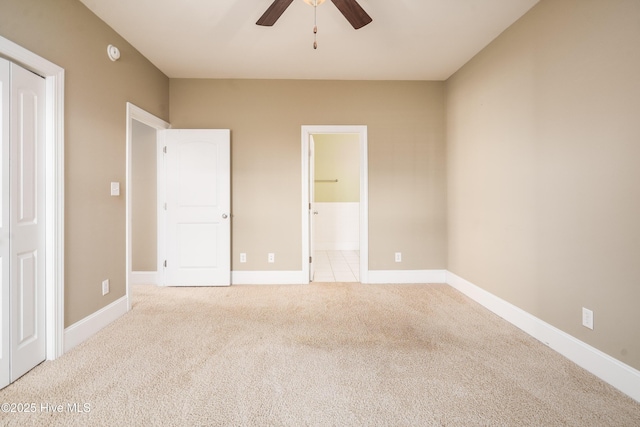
point(22, 224)
point(28, 340)
point(5, 353)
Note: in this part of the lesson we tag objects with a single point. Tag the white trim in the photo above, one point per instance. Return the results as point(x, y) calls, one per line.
point(307, 131)
point(144, 278)
point(619, 375)
point(269, 277)
point(140, 115)
point(160, 221)
point(54, 166)
point(90, 325)
point(407, 276)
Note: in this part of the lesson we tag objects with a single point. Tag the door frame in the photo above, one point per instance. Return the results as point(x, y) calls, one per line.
point(312, 196)
point(54, 175)
point(138, 114)
point(307, 131)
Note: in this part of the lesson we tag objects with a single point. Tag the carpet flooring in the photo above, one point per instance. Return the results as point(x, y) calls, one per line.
point(338, 354)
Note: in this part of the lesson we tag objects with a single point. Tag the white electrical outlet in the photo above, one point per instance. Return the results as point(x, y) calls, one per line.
point(105, 287)
point(272, 257)
point(587, 318)
point(243, 257)
point(115, 188)
point(398, 256)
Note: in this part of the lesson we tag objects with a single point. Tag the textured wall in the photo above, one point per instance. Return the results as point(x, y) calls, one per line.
point(96, 91)
point(337, 157)
point(406, 161)
point(144, 192)
point(543, 176)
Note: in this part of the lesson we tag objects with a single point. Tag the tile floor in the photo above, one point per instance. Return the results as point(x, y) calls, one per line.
point(336, 266)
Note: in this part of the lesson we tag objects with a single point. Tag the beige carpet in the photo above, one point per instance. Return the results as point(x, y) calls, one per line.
point(319, 355)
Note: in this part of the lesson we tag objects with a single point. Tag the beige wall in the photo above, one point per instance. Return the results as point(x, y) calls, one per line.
point(337, 157)
point(543, 178)
point(541, 185)
point(144, 192)
point(96, 91)
point(406, 161)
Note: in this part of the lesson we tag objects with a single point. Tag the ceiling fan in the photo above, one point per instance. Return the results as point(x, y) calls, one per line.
point(351, 10)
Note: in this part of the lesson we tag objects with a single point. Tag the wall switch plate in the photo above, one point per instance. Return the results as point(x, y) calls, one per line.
point(115, 188)
point(271, 257)
point(587, 318)
point(105, 287)
point(243, 257)
point(398, 256)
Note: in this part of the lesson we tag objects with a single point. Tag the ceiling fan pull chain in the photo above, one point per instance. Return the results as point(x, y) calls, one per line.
point(315, 24)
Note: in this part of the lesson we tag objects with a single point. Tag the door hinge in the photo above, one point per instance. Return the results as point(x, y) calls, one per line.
point(309, 206)
point(164, 149)
point(165, 206)
point(310, 260)
point(165, 263)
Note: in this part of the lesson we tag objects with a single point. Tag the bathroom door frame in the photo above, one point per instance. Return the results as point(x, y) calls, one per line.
point(307, 181)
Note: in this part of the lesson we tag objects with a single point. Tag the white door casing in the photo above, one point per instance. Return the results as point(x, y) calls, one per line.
point(135, 113)
point(197, 186)
point(307, 131)
point(312, 199)
point(53, 168)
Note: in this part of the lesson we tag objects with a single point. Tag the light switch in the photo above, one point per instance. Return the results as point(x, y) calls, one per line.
point(115, 188)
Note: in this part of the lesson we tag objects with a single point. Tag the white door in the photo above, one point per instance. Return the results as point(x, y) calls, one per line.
point(312, 209)
point(27, 221)
point(5, 254)
point(198, 203)
point(23, 225)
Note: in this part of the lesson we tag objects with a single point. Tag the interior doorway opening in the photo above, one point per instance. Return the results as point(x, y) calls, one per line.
point(335, 203)
point(141, 164)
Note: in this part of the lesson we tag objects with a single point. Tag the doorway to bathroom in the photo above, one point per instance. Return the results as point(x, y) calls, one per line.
point(335, 231)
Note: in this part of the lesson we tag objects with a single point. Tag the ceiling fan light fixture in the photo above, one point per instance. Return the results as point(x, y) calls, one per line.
point(313, 2)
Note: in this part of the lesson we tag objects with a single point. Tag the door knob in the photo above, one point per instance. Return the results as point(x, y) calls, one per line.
point(224, 216)
point(315, 212)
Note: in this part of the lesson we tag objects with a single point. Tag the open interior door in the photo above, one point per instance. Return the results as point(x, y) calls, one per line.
point(197, 207)
point(312, 209)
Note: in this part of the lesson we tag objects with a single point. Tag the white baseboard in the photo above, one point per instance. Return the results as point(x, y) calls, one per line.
point(85, 328)
point(406, 276)
point(268, 278)
point(619, 375)
point(144, 278)
point(373, 277)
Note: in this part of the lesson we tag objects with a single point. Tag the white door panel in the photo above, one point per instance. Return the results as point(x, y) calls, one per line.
point(5, 255)
point(312, 200)
point(27, 221)
point(198, 201)
point(25, 310)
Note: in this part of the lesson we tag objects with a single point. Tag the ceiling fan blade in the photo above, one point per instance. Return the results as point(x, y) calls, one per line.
point(274, 12)
point(354, 13)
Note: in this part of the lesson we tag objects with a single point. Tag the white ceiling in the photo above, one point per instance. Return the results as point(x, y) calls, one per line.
point(407, 40)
